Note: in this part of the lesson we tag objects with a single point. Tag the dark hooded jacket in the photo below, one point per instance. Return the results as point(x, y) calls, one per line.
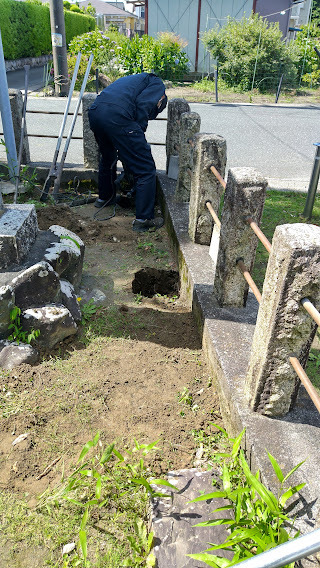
point(135, 97)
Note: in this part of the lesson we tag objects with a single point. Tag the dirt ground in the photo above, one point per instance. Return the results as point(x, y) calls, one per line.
point(135, 369)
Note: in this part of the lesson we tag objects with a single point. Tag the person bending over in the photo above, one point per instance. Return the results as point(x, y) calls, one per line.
point(119, 118)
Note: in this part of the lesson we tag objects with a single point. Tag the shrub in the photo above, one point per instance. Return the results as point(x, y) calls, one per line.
point(25, 28)
point(235, 45)
point(104, 46)
point(308, 63)
point(164, 56)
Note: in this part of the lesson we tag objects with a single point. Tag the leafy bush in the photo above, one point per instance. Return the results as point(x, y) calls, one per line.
point(25, 28)
point(164, 56)
point(308, 63)
point(235, 45)
point(104, 46)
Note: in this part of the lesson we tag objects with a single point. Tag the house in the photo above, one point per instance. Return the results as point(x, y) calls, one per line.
point(107, 13)
point(290, 14)
point(190, 18)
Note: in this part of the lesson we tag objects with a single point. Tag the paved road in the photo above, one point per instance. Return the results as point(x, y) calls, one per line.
point(277, 140)
point(15, 79)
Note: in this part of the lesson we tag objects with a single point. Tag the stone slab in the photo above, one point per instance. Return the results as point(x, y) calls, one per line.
point(18, 231)
point(174, 517)
point(227, 337)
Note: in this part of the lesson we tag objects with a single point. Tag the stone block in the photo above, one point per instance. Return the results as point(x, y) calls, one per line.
point(7, 302)
point(283, 326)
point(18, 231)
point(244, 196)
point(69, 300)
point(190, 123)
point(175, 109)
point(210, 149)
point(173, 520)
point(13, 354)
point(55, 323)
point(36, 286)
point(90, 146)
point(66, 256)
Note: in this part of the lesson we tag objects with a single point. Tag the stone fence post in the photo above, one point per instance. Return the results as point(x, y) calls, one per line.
point(283, 326)
point(190, 123)
point(16, 104)
point(209, 149)
point(175, 108)
point(244, 196)
point(90, 147)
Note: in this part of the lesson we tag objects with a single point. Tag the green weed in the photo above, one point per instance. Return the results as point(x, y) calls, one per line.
point(17, 333)
point(87, 311)
point(109, 489)
point(259, 520)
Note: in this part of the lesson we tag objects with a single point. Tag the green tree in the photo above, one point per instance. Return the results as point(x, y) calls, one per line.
point(248, 45)
point(90, 9)
point(316, 12)
point(308, 62)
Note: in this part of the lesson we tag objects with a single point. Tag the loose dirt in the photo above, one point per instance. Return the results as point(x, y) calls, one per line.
point(135, 369)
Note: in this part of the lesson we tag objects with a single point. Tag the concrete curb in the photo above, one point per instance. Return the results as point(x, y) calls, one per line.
point(227, 337)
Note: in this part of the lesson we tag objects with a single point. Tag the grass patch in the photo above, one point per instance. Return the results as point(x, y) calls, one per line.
point(280, 208)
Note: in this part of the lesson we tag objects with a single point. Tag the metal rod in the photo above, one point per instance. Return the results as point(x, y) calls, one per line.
point(97, 80)
point(53, 136)
point(249, 279)
point(23, 129)
point(213, 214)
point(261, 236)
point(50, 112)
point(311, 309)
point(6, 117)
point(313, 184)
point(279, 89)
point(286, 553)
point(216, 75)
point(305, 381)
point(218, 176)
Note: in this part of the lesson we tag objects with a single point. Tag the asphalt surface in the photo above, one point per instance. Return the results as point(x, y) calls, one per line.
point(277, 140)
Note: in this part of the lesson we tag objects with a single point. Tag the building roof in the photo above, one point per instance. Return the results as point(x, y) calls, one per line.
point(106, 8)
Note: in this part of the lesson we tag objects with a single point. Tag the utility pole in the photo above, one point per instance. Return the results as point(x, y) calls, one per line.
point(59, 48)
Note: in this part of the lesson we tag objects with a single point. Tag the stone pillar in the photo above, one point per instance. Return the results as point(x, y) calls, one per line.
point(175, 108)
point(209, 149)
point(90, 147)
point(190, 125)
point(16, 104)
point(283, 326)
point(244, 196)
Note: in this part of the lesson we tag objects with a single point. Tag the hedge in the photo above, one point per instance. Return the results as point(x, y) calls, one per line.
point(25, 28)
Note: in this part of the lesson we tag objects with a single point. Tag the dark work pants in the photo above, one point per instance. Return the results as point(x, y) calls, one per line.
point(115, 132)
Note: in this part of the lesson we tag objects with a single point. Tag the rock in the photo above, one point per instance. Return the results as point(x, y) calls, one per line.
point(12, 354)
point(18, 231)
point(36, 286)
point(55, 323)
point(69, 300)
point(66, 256)
point(7, 300)
point(95, 294)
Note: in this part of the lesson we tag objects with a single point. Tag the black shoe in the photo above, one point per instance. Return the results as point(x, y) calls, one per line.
point(102, 202)
point(147, 225)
